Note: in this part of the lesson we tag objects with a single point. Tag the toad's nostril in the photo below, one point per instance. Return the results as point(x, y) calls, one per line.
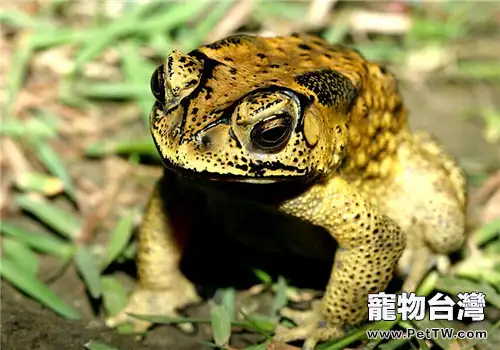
point(203, 142)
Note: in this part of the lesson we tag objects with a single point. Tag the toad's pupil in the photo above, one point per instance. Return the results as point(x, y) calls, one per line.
point(274, 134)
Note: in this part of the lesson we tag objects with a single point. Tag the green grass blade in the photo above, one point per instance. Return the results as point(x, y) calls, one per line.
point(263, 346)
point(120, 237)
point(492, 249)
point(41, 183)
point(113, 90)
point(423, 344)
point(194, 38)
point(34, 127)
point(268, 10)
point(487, 71)
point(390, 345)
point(115, 298)
point(36, 289)
point(487, 232)
point(95, 345)
point(338, 30)
point(21, 256)
point(138, 72)
point(221, 325)
point(126, 26)
point(42, 242)
point(130, 252)
point(52, 162)
point(17, 73)
point(424, 324)
point(175, 15)
point(64, 36)
point(454, 285)
point(108, 33)
point(114, 295)
point(281, 298)
point(18, 19)
point(87, 267)
point(144, 147)
point(263, 276)
point(60, 220)
point(228, 300)
point(167, 320)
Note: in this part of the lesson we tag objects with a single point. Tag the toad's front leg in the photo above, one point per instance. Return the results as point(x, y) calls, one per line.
point(370, 246)
point(162, 288)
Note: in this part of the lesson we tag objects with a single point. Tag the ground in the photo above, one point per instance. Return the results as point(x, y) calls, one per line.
point(110, 183)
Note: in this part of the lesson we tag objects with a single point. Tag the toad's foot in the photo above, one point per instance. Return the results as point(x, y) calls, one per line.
point(163, 302)
point(310, 326)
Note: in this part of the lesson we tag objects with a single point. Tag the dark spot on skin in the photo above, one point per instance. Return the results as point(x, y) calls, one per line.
point(243, 167)
point(233, 71)
point(259, 168)
point(189, 64)
point(190, 83)
point(304, 47)
point(233, 137)
point(331, 87)
point(170, 63)
point(261, 55)
point(398, 108)
point(228, 59)
point(383, 70)
point(274, 65)
point(209, 91)
point(327, 55)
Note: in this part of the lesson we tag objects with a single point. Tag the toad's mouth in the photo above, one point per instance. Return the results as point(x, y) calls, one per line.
point(253, 178)
point(269, 189)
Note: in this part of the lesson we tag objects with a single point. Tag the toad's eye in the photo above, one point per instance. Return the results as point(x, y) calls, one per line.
point(158, 84)
point(272, 134)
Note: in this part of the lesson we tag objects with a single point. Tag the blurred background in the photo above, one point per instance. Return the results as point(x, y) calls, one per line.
point(77, 160)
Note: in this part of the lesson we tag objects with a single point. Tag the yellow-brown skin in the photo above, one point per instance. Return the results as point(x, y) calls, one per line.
point(338, 126)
